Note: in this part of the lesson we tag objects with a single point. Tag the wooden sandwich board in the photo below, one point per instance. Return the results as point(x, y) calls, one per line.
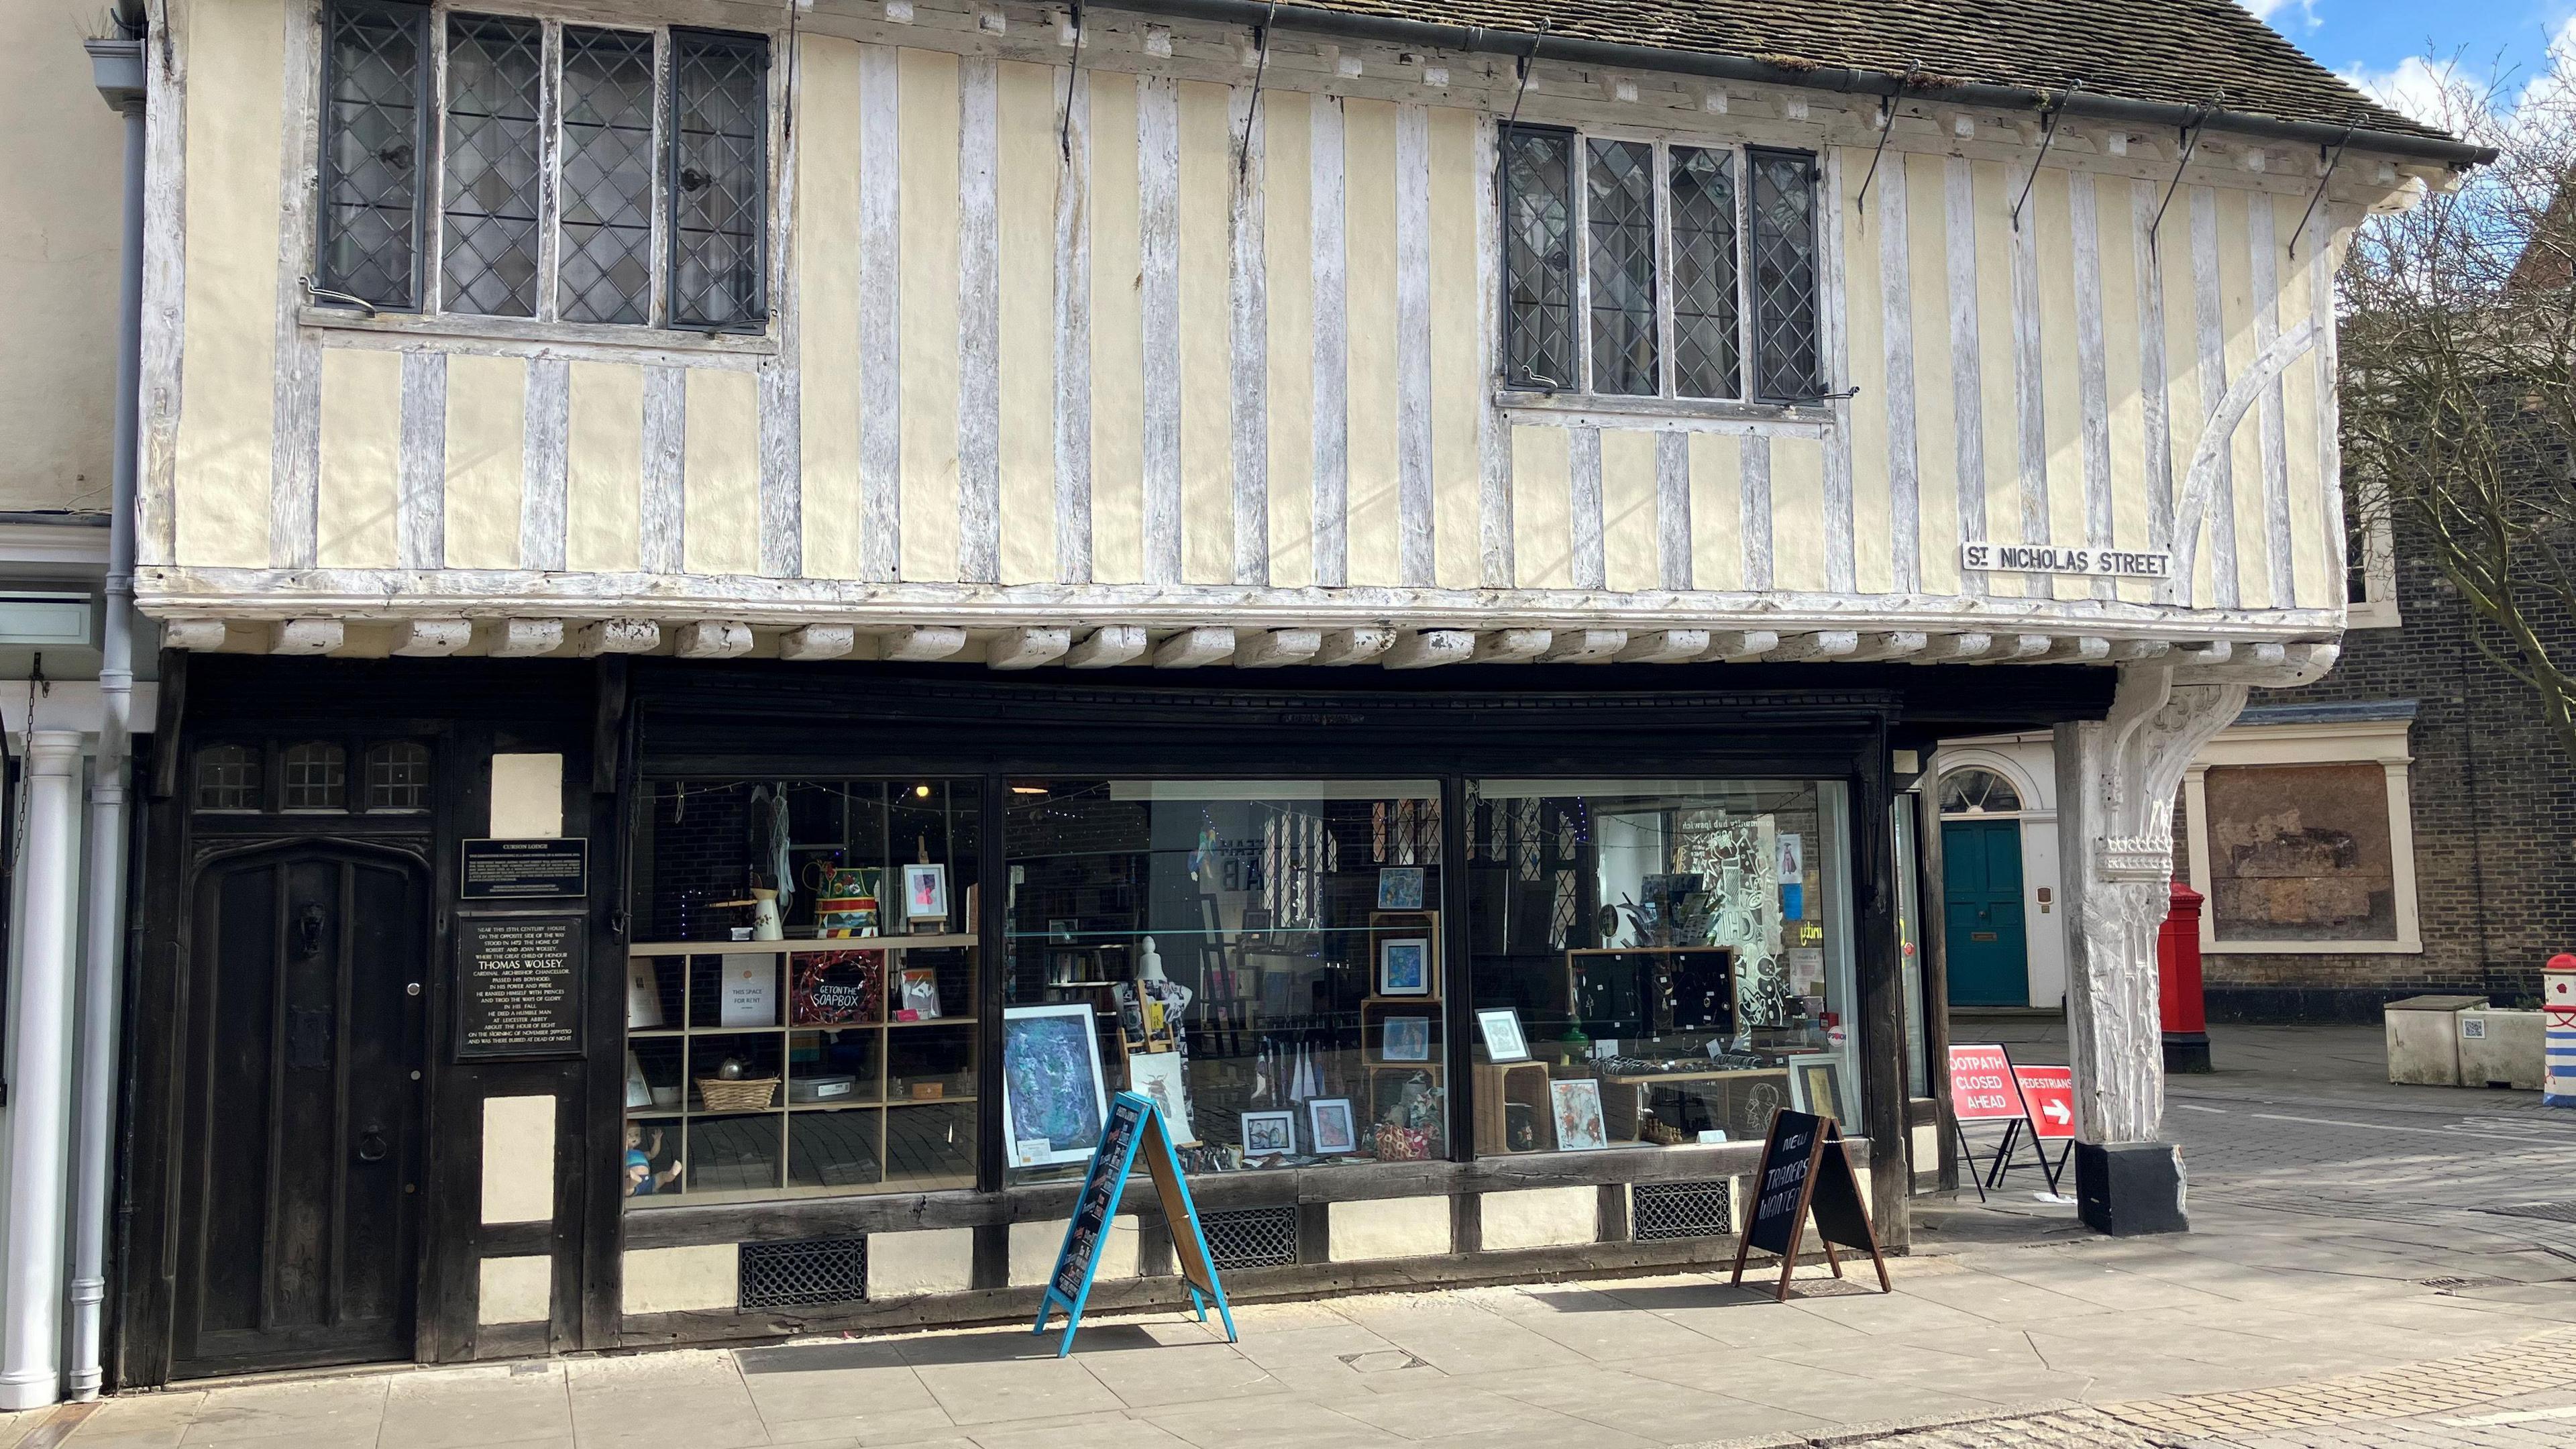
point(1805, 1169)
point(1133, 1125)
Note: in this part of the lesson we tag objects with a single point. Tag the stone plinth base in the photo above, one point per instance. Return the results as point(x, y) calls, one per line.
point(2130, 1189)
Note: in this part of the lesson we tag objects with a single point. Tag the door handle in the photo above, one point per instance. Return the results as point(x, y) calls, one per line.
point(371, 1144)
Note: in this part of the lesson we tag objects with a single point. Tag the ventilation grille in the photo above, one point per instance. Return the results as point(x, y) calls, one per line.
point(808, 1271)
point(1661, 1210)
point(1251, 1238)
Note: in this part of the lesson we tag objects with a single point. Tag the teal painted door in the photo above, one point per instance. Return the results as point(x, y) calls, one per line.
point(1981, 898)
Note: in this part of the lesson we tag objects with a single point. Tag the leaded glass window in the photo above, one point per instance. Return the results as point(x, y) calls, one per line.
point(374, 87)
point(228, 777)
point(1693, 270)
point(489, 221)
point(607, 271)
point(1620, 215)
point(717, 179)
point(316, 777)
point(1538, 223)
point(1785, 332)
point(398, 776)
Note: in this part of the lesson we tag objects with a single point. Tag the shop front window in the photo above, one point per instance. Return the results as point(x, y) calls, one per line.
point(1657, 961)
point(801, 997)
point(1262, 958)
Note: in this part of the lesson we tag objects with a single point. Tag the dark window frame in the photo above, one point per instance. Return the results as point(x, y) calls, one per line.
point(424, 103)
point(1564, 265)
point(674, 142)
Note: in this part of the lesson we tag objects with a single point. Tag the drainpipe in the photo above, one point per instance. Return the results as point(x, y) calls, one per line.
point(40, 1019)
point(117, 66)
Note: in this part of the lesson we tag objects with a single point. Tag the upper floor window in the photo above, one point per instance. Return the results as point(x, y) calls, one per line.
point(500, 166)
point(1659, 268)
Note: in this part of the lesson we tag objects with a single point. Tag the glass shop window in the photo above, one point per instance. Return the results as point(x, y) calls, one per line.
point(801, 997)
point(1657, 961)
point(1260, 957)
point(2302, 853)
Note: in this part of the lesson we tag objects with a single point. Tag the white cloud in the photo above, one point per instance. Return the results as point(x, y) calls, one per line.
point(2279, 14)
point(2425, 89)
point(2447, 91)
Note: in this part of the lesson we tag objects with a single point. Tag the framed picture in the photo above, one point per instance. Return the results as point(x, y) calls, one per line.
point(1578, 1114)
point(920, 993)
point(1269, 1134)
point(1817, 1086)
point(1160, 1075)
point(1406, 1039)
point(1328, 1121)
point(1052, 1099)
point(925, 893)
point(1501, 1028)
point(1404, 966)
point(1399, 888)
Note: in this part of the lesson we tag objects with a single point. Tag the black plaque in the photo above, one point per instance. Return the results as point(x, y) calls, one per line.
point(518, 986)
point(525, 870)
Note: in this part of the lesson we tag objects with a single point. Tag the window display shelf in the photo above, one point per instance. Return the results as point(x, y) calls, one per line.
point(801, 945)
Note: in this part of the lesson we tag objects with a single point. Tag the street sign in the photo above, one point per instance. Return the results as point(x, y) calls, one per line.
point(1805, 1168)
point(1133, 1124)
point(2050, 1094)
point(1981, 1085)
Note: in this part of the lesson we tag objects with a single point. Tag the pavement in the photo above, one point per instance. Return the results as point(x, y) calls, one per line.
point(2368, 1266)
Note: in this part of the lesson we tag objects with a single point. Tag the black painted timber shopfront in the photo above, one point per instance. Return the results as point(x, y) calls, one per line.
point(488, 1008)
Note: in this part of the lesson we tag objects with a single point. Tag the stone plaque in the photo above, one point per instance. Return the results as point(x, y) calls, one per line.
point(518, 986)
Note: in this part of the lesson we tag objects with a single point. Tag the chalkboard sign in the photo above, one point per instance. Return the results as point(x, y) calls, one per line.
point(518, 986)
point(1133, 1125)
point(519, 870)
point(1806, 1169)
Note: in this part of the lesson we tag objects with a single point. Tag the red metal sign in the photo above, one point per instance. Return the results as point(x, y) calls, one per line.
point(2050, 1091)
point(1981, 1084)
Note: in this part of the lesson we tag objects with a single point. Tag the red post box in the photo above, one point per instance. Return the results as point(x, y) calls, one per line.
point(2186, 1020)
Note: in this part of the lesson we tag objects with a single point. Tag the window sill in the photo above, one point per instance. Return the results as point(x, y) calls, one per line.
point(2377, 614)
point(451, 327)
point(1612, 411)
point(2312, 948)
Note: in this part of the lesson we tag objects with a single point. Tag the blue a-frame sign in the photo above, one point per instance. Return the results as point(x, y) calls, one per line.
point(1133, 1124)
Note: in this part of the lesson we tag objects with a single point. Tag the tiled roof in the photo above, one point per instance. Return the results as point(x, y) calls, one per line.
point(2178, 52)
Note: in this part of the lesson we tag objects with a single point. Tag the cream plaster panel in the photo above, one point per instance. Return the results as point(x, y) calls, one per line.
point(1542, 508)
point(1798, 514)
point(228, 387)
point(1368, 182)
point(604, 468)
point(1025, 187)
point(938, 1260)
point(827, 303)
point(1207, 344)
point(1992, 187)
point(1628, 509)
point(361, 455)
point(1936, 408)
point(518, 1158)
point(487, 434)
point(1034, 1247)
point(1865, 348)
point(1717, 511)
point(2118, 233)
point(927, 197)
point(527, 797)
point(1923, 1147)
point(1391, 1227)
point(515, 1290)
point(721, 459)
point(682, 1280)
point(1543, 1217)
point(1288, 249)
point(1460, 301)
point(2236, 307)
point(2061, 386)
point(1117, 337)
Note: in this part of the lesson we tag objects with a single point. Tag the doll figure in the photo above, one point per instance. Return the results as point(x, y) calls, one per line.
point(641, 1179)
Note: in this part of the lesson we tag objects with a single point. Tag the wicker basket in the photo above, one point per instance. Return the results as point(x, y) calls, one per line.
point(751, 1094)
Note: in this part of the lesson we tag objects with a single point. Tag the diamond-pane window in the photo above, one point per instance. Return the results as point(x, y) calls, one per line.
point(495, 110)
point(1705, 340)
point(371, 154)
point(1538, 219)
point(607, 185)
point(228, 777)
point(316, 777)
point(1621, 197)
point(1785, 334)
point(398, 776)
point(718, 179)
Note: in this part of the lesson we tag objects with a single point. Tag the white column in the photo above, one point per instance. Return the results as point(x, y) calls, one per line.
point(40, 1032)
point(2116, 779)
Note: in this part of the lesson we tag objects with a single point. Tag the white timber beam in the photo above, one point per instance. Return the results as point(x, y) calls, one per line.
point(1665, 646)
point(1430, 648)
point(431, 638)
point(817, 642)
point(1949, 648)
point(193, 634)
point(1511, 646)
point(1354, 646)
point(1027, 648)
point(1902, 644)
point(1824, 644)
point(1191, 648)
point(1107, 647)
point(2078, 649)
point(305, 636)
point(1736, 646)
point(1585, 646)
point(2019, 648)
point(714, 639)
point(1273, 648)
point(617, 636)
point(2127, 650)
point(525, 638)
point(923, 644)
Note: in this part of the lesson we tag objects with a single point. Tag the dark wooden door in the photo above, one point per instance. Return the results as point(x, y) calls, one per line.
point(1983, 925)
point(300, 1170)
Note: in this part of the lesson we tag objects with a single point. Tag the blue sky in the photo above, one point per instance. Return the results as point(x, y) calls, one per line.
point(2391, 46)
